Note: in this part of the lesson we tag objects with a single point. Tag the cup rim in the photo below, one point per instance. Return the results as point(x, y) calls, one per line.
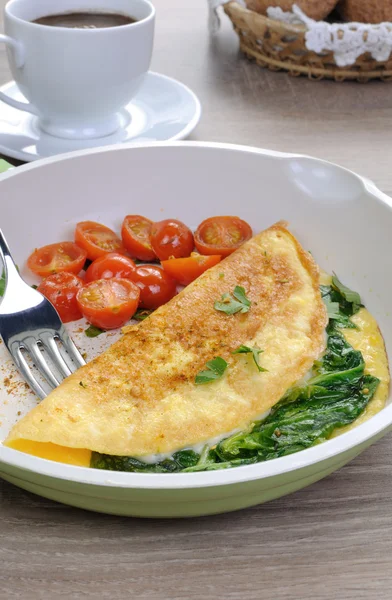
point(77, 31)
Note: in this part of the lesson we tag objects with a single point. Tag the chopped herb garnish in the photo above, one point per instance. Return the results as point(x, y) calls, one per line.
point(141, 314)
point(35, 287)
point(83, 385)
point(233, 303)
point(2, 284)
point(215, 369)
point(221, 275)
point(254, 351)
point(93, 331)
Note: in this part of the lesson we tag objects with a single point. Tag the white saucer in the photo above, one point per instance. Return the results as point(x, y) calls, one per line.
point(163, 109)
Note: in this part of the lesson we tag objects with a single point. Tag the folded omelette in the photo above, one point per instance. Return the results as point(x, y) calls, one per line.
point(140, 396)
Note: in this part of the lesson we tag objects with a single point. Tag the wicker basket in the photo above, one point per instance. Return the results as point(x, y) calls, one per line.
point(281, 46)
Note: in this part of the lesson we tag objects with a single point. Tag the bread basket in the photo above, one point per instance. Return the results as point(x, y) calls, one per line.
point(279, 45)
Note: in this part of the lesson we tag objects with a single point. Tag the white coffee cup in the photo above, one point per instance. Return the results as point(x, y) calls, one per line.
point(77, 80)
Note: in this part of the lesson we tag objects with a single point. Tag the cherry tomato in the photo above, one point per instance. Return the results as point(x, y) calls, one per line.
point(108, 303)
point(186, 270)
point(97, 239)
point(109, 266)
point(57, 258)
point(171, 239)
point(156, 287)
point(221, 235)
point(135, 233)
point(61, 289)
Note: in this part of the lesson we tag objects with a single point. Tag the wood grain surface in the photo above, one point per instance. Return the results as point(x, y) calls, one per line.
point(330, 541)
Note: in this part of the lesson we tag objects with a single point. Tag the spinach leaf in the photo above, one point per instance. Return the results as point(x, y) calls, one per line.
point(339, 307)
point(351, 297)
point(178, 462)
point(298, 425)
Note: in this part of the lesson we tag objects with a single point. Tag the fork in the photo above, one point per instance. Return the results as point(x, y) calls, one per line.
point(31, 328)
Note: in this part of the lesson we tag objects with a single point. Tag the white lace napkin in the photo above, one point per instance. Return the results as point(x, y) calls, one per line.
point(347, 41)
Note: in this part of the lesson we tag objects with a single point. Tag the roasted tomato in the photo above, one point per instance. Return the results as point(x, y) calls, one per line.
point(61, 290)
point(97, 239)
point(109, 266)
point(171, 239)
point(221, 235)
point(63, 257)
point(108, 303)
point(135, 233)
point(186, 270)
point(156, 287)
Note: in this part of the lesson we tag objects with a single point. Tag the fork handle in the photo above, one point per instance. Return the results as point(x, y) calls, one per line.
point(10, 269)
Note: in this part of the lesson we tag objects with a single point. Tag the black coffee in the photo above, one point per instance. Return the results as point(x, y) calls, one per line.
point(85, 20)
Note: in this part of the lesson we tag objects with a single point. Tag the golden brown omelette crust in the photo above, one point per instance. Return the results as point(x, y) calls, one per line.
point(189, 321)
point(195, 324)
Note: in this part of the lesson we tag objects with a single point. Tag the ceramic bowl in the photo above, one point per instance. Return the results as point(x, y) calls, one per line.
point(342, 218)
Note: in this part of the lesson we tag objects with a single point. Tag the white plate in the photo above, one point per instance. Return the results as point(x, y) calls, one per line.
point(163, 109)
point(342, 218)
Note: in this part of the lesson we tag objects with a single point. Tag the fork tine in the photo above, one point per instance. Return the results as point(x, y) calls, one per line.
point(71, 348)
point(24, 368)
point(51, 347)
point(39, 361)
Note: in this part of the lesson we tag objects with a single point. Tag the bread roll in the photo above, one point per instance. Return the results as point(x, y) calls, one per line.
point(366, 11)
point(315, 9)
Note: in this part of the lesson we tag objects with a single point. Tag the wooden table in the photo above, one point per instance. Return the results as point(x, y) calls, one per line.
point(332, 540)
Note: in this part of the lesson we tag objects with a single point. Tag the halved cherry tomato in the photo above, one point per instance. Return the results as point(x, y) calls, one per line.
point(156, 286)
point(221, 235)
point(135, 233)
point(61, 289)
point(57, 258)
point(186, 270)
point(109, 266)
point(97, 239)
point(108, 303)
point(171, 239)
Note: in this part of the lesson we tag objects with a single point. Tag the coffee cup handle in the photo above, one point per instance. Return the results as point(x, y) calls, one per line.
point(19, 58)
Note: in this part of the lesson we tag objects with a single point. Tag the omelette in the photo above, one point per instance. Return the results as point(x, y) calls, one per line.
point(144, 395)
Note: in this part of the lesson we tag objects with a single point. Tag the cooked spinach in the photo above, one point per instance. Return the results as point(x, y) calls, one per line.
point(335, 395)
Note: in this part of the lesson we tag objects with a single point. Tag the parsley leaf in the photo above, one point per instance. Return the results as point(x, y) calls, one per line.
point(2, 285)
point(255, 352)
point(93, 331)
point(233, 303)
point(141, 314)
point(215, 370)
point(350, 296)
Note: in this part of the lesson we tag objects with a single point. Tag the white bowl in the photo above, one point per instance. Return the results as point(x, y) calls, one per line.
point(342, 218)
